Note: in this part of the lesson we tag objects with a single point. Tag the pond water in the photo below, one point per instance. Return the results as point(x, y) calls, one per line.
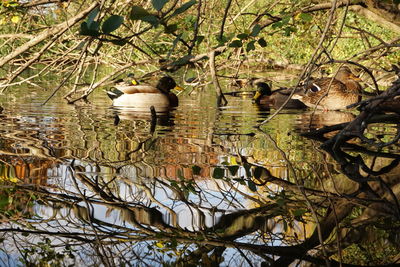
point(92, 185)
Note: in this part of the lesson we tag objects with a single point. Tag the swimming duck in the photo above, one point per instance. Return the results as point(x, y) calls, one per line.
point(145, 96)
point(332, 93)
point(276, 98)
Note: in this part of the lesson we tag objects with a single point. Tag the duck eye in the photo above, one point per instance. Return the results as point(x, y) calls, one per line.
point(315, 88)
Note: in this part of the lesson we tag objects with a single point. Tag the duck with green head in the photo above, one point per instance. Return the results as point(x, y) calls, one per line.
point(266, 97)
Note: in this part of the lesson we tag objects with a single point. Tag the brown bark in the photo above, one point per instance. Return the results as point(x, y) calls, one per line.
point(46, 34)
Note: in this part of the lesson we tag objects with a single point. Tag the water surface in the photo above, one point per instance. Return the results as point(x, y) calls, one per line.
point(89, 184)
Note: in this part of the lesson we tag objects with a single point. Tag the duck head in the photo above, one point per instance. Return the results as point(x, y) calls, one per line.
point(344, 74)
point(263, 89)
point(166, 84)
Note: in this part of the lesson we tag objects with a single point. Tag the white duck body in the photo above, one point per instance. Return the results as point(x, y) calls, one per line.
point(142, 97)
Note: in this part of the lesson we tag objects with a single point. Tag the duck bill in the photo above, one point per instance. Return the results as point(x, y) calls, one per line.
point(355, 78)
point(178, 88)
point(256, 97)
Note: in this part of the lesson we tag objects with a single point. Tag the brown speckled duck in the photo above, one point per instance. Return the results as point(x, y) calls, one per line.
point(332, 93)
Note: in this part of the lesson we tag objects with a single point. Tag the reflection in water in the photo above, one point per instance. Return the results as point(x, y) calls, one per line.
point(200, 185)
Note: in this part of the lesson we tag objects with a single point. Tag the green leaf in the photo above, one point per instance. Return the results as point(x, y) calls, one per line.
point(171, 28)
point(252, 186)
point(222, 40)
point(119, 42)
point(256, 30)
point(153, 20)
point(158, 4)
point(218, 173)
point(86, 31)
point(299, 212)
point(94, 26)
point(183, 60)
point(138, 13)
point(262, 42)
point(289, 30)
point(92, 15)
point(281, 23)
point(250, 46)
point(236, 43)
point(306, 17)
point(112, 23)
point(199, 39)
point(397, 1)
point(183, 7)
point(196, 170)
point(242, 36)
point(233, 169)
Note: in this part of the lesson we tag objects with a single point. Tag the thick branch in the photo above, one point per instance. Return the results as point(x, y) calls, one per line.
point(46, 34)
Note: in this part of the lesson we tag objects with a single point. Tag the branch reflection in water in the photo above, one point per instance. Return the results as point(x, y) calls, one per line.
point(202, 186)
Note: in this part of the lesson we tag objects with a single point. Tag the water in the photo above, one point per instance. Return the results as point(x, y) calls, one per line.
point(93, 185)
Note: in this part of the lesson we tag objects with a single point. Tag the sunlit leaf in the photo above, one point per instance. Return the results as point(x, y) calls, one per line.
point(218, 173)
point(262, 42)
point(236, 43)
point(196, 170)
point(256, 30)
point(112, 23)
point(159, 244)
point(15, 19)
point(184, 7)
point(158, 4)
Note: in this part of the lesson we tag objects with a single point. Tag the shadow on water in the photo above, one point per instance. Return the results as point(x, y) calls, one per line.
point(99, 186)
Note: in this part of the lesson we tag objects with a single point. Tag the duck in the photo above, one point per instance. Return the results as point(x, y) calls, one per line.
point(144, 96)
point(266, 97)
point(332, 93)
